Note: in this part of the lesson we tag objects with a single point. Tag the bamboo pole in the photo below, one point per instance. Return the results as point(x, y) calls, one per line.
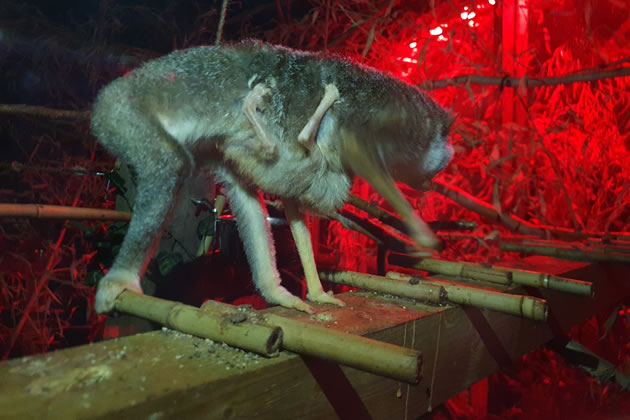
point(524, 306)
point(375, 211)
point(421, 291)
point(394, 221)
point(46, 211)
point(565, 252)
point(494, 274)
point(384, 359)
point(449, 268)
point(549, 281)
point(486, 210)
point(216, 325)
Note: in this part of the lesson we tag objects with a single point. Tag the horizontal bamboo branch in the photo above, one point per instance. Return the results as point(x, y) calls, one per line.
point(216, 325)
point(41, 111)
point(421, 291)
point(525, 81)
point(484, 209)
point(384, 359)
point(46, 211)
point(523, 306)
point(377, 212)
point(512, 222)
point(565, 252)
point(394, 221)
point(388, 239)
point(493, 274)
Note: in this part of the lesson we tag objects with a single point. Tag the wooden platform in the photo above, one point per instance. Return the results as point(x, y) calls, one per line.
point(165, 374)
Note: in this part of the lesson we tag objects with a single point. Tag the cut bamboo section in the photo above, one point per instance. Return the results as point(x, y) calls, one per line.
point(493, 274)
point(421, 291)
point(524, 306)
point(548, 281)
point(384, 359)
point(45, 211)
point(233, 330)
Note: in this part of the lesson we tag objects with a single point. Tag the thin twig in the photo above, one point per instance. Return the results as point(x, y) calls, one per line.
point(221, 22)
point(41, 111)
point(526, 82)
point(45, 277)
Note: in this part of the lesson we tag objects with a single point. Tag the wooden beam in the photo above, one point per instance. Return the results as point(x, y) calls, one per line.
point(165, 374)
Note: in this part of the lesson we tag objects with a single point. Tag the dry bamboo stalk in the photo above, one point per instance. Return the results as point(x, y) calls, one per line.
point(375, 211)
point(486, 210)
point(593, 245)
point(574, 77)
point(40, 111)
point(524, 306)
point(387, 238)
point(384, 359)
point(421, 291)
point(549, 281)
point(493, 274)
point(565, 253)
point(215, 325)
point(45, 211)
point(449, 268)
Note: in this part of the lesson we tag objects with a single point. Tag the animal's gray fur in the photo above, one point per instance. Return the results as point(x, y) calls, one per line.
point(184, 111)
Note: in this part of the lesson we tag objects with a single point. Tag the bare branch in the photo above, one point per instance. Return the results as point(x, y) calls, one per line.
point(525, 81)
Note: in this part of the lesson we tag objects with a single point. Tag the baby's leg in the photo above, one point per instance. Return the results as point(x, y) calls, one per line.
point(307, 136)
point(254, 100)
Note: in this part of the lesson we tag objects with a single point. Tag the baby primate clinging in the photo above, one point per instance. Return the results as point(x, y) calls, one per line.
point(188, 110)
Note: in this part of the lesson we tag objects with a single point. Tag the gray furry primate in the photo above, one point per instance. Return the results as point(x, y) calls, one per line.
point(323, 121)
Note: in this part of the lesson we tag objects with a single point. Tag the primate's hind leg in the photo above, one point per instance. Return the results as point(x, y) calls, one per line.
point(161, 167)
point(255, 232)
point(304, 246)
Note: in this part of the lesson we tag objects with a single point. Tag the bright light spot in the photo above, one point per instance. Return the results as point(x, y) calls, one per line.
point(465, 7)
point(404, 74)
point(472, 15)
point(442, 38)
point(492, 2)
point(476, 25)
point(444, 25)
point(409, 60)
point(471, 23)
point(412, 44)
point(464, 15)
point(435, 31)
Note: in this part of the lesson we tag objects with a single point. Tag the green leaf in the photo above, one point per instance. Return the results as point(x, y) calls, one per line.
point(167, 261)
point(611, 321)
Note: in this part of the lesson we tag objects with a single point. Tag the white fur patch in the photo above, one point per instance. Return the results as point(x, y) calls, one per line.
point(184, 130)
point(438, 156)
